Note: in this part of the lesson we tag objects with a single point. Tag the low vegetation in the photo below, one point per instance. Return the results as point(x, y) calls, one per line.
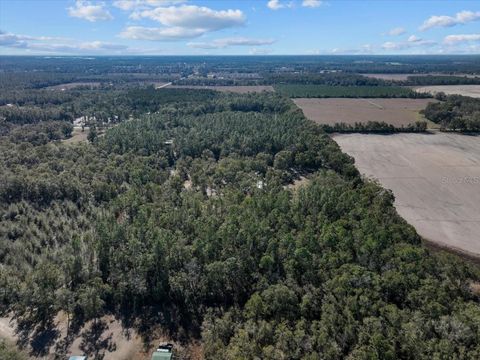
point(9, 352)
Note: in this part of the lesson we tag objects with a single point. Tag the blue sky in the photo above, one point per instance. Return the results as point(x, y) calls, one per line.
point(184, 27)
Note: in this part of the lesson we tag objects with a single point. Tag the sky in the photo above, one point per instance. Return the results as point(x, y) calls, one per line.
point(242, 27)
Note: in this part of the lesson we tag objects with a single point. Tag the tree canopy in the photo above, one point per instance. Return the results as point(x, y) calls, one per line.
point(184, 218)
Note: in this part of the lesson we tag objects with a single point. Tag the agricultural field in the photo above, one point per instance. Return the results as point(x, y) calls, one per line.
point(435, 180)
point(397, 112)
point(325, 91)
point(233, 89)
point(465, 90)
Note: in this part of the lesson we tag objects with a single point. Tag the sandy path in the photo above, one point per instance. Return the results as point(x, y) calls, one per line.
point(162, 86)
point(113, 343)
point(6, 329)
point(435, 180)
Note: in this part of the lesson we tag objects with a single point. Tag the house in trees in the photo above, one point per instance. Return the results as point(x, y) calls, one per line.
point(164, 352)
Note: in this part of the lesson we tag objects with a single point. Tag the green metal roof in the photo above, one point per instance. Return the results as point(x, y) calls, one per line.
point(160, 355)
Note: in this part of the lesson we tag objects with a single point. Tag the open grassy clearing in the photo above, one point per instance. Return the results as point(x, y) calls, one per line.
point(435, 180)
point(397, 112)
point(77, 136)
point(465, 90)
point(234, 89)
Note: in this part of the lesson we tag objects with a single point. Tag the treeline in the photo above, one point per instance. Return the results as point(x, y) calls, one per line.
point(323, 91)
point(328, 78)
point(32, 79)
point(379, 127)
point(333, 78)
point(98, 106)
point(41, 133)
point(184, 221)
point(206, 81)
point(34, 114)
point(455, 112)
point(336, 78)
point(441, 80)
point(33, 106)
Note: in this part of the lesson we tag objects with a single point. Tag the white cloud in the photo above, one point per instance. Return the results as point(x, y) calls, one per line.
point(135, 4)
point(192, 16)
point(257, 51)
point(362, 50)
point(182, 22)
point(160, 34)
point(99, 45)
point(413, 38)
point(462, 17)
point(277, 4)
point(93, 47)
point(311, 3)
point(89, 11)
point(7, 39)
point(57, 45)
point(390, 45)
point(412, 42)
point(397, 31)
point(227, 42)
point(455, 39)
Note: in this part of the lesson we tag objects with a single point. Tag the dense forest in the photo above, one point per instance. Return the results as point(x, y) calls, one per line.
point(185, 216)
point(105, 106)
point(455, 112)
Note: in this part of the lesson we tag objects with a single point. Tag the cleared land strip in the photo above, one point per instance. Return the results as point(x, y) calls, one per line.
point(161, 86)
point(435, 180)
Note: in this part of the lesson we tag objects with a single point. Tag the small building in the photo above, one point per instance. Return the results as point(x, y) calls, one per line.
point(163, 352)
point(77, 357)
